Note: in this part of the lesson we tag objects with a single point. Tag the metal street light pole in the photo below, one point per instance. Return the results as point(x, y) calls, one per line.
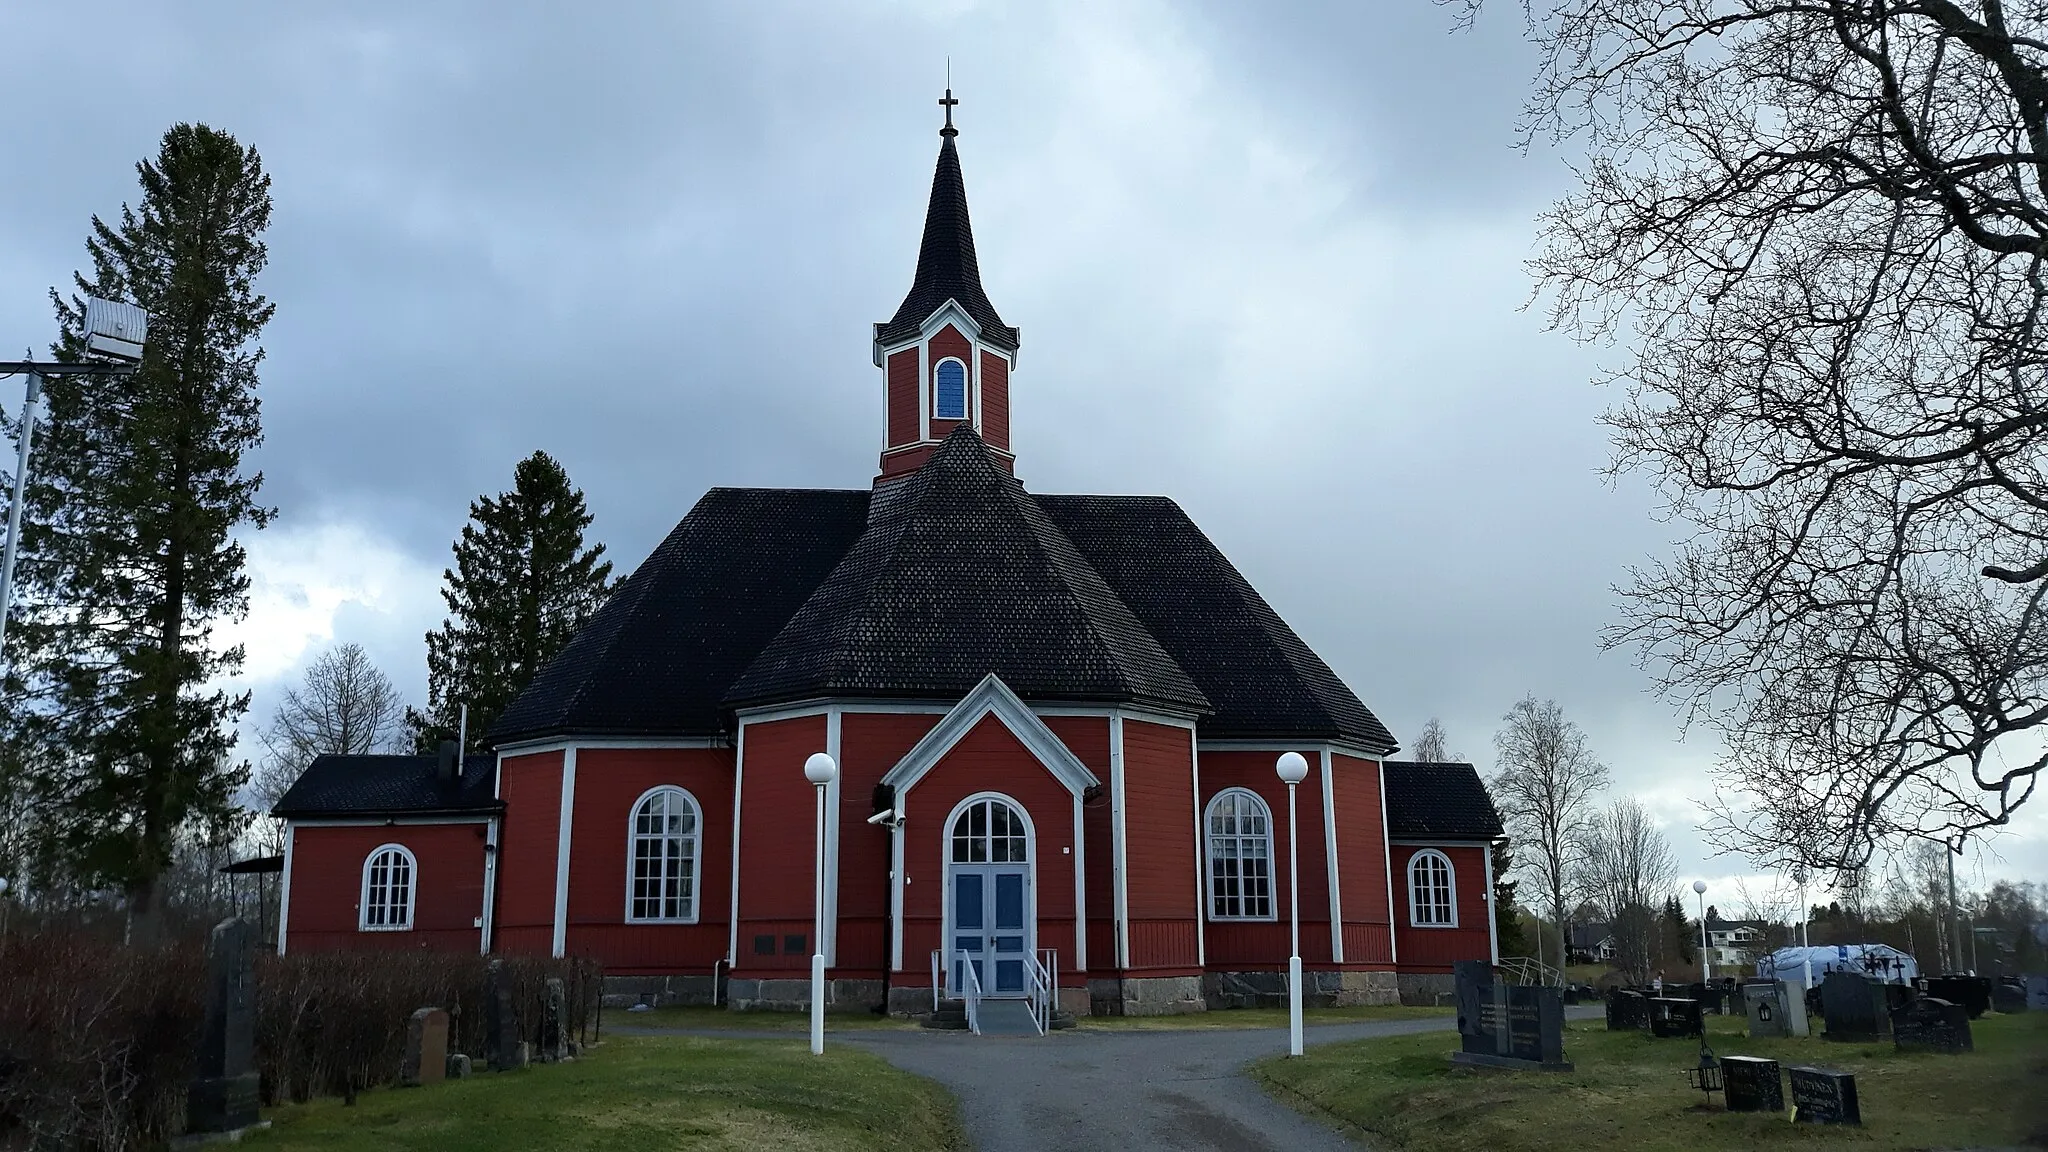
point(1699, 888)
point(819, 770)
point(1805, 912)
point(29, 411)
point(1293, 769)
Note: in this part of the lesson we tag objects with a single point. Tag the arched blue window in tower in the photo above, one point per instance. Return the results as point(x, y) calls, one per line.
point(952, 398)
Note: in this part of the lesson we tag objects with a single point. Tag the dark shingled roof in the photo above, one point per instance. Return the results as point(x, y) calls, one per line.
point(961, 574)
point(946, 267)
point(657, 658)
point(1259, 678)
point(389, 786)
point(1438, 801)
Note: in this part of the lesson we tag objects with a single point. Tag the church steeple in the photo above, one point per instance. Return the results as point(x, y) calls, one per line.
point(946, 354)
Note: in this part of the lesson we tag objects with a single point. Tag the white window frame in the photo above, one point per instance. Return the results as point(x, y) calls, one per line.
point(696, 855)
point(1209, 860)
point(966, 387)
point(412, 889)
point(1450, 890)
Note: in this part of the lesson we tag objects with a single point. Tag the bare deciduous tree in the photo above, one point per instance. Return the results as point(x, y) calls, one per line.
point(1432, 747)
point(1546, 776)
point(1626, 867)
point(343, 705)
point(1826, 224)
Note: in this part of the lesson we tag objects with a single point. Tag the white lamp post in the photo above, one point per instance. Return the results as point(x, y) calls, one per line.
point(1699, 888)
point(3, 909)
point(1293, 770)
point(819, 770)
point(1799, 878)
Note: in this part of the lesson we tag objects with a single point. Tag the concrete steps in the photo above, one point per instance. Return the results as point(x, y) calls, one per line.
point(998, 1017)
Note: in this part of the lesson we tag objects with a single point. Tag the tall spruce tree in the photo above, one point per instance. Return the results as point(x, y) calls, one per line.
point(522, 584)
point(129, 556)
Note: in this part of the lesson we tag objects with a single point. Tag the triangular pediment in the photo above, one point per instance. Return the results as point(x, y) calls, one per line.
point(991, 697)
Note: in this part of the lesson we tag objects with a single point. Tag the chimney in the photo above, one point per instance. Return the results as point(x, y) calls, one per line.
point(447, 770)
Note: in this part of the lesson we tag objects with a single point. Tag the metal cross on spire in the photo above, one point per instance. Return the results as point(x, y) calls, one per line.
point(948, 104)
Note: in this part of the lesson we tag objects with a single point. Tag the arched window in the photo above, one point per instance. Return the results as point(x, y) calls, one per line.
point(1432, 899)
point(390, 878)
point(951, 403)
point(990, 832)
point(665, 838)
point(1240, 857)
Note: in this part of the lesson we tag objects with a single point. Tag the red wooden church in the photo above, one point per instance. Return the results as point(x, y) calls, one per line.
point(1056, 720)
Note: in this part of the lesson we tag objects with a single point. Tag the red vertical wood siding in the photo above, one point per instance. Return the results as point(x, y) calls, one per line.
point(870, 744)
point(995, 400)
point(989, 758)
point(1159, 833)
point(1087, 737)
point(1362, 861)
point(327, 886)
point(608, 783)
point(778, 832)
point(531, 787)
point(1257, 943)
point(1435, 949)
point(902, 397)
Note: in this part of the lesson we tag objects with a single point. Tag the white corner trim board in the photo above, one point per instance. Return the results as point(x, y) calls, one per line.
point(1330, 855)
point(562, 825)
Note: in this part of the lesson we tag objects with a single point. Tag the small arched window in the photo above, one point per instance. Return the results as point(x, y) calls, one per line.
point(390, 879)
point(665, 838)
point(990, 832)
point(1432, 895)
point(951, 403)
point(1240, 831)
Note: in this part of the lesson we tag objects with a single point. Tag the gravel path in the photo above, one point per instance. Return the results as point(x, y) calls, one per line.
point(1123, 1091)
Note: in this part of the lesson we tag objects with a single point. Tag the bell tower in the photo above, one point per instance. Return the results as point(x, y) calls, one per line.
point(946, 356)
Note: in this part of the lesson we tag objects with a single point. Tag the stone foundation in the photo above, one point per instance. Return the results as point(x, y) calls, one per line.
point(660, 991)
point(1267, 989)
point(1428, 989)
point(1145, 996)
point(794, 995)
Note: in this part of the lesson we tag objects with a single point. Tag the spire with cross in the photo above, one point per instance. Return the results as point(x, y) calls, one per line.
point(947, 102)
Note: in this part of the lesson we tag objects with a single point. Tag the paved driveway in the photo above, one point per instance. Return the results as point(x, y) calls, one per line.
point(1123, 1091)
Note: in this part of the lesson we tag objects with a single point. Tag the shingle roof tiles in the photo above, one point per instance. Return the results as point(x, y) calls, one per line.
point(946, 265)
point(1426, 801)
point(388, 785)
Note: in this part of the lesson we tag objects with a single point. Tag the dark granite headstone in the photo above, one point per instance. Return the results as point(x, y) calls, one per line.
point(1627, 1010)
point(2037, 992)
point(1765, 1006)
point(1933, 1024)
point(1507, 1025)
point(1972, 992)
point(1675, 1016)
point(426, 1049)
point(2009, 995)
point(1823, 1096)
point(458, 1066)
point(1752, 1084)
point(1857, 1008)
point(554, 1043)
point(223, 1096)
point(504, 1047)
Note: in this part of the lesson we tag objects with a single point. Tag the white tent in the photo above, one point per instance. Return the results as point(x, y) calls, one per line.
point(1880, 960)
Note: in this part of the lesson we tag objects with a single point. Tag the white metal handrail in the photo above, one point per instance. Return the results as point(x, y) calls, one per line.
point(971, 995)
point(1528, 970)
point(938, 986)
point(1038, 992)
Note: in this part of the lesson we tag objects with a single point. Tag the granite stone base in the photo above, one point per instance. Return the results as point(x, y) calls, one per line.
point(1427, 988)
point(1489, 1060)
point(1262, 989)
point(660, 991)
point(776, 995)
point(1146, 996)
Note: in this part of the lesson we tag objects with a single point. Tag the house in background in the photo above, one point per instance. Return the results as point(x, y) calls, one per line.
point(1736, 943)
point(1055, 720)
point(1593, 943)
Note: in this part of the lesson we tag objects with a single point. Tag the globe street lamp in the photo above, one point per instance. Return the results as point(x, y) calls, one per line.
point(1293, 770)
point(1699, 888)
point(819, 770)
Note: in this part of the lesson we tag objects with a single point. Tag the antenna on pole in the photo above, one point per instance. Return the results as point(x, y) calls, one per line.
point(462, 740)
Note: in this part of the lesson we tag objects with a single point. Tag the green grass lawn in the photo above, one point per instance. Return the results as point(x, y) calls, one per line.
point(1630, 1092)
point(1257, 1018)
point(644, 1092)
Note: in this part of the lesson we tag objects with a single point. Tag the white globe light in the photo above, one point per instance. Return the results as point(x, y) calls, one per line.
point(3, 885)
point(1291, 767)
point(1700, 886)
point(820, 769)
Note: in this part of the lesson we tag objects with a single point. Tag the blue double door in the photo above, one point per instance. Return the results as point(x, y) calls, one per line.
point(991, 930)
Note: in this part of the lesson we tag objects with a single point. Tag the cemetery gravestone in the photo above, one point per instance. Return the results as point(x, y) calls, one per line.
point(1824, 1096)
point(1972, 992)
point(1932, 1024)
point(1674, 1017)
point(553, 1044)
point(458, 1066)
point(1507, 1025)
point(502, 1043)
point(223, 1097)
point(2037, 993)
point(2009, 995)
point(1627, 1011)
point(1765, 1006)
point(1856, 1007)
point(1752, 1084)
point(426, 1049)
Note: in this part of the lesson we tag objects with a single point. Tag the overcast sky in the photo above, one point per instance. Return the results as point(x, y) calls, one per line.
point(1267, 260)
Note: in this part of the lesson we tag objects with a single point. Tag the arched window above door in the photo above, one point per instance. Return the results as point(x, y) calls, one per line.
point(990, 831)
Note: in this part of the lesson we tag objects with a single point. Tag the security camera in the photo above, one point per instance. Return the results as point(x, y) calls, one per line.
point(886, 817)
